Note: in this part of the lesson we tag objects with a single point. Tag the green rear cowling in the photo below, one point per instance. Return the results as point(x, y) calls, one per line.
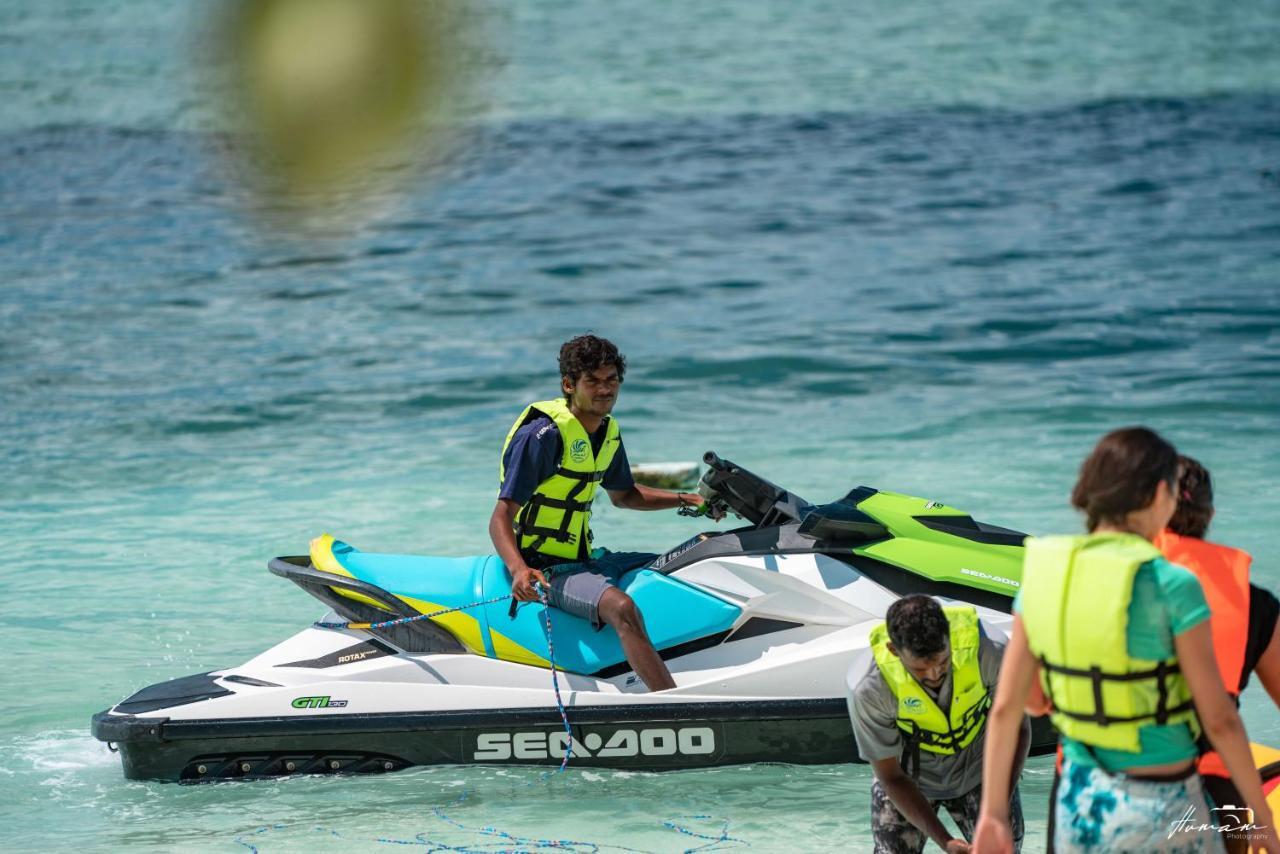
point(939, 555)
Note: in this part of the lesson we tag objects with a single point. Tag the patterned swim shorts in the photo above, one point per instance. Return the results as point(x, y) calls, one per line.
point(1095, 812)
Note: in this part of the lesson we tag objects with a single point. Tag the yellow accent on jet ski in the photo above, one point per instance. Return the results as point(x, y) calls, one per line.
point(506, 649)
point(463, 626)
point(322, 558)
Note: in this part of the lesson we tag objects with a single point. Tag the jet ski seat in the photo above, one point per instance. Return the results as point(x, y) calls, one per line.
point(675, 613)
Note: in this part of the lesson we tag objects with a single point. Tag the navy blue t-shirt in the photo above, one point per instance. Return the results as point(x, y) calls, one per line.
point(534, 455)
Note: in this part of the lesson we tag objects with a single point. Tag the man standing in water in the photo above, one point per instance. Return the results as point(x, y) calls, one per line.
point(554, 456)
point(919, 716)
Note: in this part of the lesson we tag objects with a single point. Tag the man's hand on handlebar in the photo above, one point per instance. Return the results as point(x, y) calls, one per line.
point(522, 584)
point(693, 504)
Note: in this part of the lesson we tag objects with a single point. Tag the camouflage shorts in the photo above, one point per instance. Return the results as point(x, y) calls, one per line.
point(894, 834)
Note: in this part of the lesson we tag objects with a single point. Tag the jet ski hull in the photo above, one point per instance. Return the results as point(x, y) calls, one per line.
point(642, 737)
point(760, 627)
point(664, 737)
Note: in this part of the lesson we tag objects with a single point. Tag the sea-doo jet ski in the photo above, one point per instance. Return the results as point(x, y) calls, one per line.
point(759, 627)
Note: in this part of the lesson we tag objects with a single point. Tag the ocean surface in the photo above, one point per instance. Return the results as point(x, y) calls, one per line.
point(926, 248)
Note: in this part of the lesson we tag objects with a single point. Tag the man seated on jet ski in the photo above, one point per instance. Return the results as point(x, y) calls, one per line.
point(554, 456)
point(928, 658)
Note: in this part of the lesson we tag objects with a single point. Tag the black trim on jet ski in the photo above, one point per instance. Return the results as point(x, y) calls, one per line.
point(842, 522)
point(362, 651)
point(978, 532)
point(776, 540)
point(249, 680)
point(754, 627)
point(175, 692)
point(648, 736)
point(420, 637)
point(905, 583)
point(757, 626)
point(668, 654)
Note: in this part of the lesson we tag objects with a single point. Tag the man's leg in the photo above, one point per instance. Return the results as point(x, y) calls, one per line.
point(966, 809)
point(891, 832)
point(619, 610)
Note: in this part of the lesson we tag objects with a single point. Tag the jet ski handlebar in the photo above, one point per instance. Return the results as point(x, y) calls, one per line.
point(748, 495)
point(712, 459)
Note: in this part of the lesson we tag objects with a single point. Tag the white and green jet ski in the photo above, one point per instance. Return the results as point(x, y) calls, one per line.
point(759, 627)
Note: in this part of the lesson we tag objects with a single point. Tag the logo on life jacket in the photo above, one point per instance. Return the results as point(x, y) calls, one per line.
point(579, 450)
point(912, 704)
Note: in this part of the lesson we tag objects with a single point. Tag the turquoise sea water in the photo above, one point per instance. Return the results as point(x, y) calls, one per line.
point(922, 248)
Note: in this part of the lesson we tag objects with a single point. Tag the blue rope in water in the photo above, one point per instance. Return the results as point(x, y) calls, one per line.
point(525, 843)
point(713, 841)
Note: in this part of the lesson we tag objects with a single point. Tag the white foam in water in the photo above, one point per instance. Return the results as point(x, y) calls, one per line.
point(65, 750)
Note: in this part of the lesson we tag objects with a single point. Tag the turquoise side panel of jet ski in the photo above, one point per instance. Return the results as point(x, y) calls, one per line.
point(430, 584)
point(446, 581)
point(674, 612)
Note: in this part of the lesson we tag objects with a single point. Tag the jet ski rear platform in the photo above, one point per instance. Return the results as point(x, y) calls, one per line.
point(759, 626)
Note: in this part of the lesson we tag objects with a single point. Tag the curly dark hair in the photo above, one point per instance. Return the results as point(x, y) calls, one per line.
point(1122, 473)
point(587, 353)
point(1195, 500)
point(917, 625)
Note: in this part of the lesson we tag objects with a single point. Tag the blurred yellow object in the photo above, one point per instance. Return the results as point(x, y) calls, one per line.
point(1263, 756)
point(335, 96)
point(1267, 761)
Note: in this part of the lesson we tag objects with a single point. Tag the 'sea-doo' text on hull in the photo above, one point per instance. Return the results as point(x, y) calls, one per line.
point(649, 737)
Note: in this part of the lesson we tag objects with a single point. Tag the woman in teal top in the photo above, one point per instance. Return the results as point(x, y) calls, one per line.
point(1128, 777)
point(1167, 601)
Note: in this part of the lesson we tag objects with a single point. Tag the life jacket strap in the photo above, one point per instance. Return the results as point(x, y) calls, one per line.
point(911, 751)
point(586, 476)
point(561, 503)
point(1097, 677)
point(526, 522)
point(1164, 669)
point(952, 740)
point(544, 534)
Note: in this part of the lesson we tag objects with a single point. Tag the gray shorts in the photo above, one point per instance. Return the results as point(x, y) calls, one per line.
point(576, 588)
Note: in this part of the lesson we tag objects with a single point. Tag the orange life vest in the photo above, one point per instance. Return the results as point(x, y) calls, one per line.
point(1224, 575)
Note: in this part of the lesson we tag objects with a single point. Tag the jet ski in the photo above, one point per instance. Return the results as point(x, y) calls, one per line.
point(759, 626)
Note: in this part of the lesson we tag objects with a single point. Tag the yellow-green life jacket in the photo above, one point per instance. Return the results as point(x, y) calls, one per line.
point(1075, 610)
point(556, 519)
point(924, 724)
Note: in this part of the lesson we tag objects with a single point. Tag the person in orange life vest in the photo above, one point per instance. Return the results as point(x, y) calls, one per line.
point(1243, 622)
